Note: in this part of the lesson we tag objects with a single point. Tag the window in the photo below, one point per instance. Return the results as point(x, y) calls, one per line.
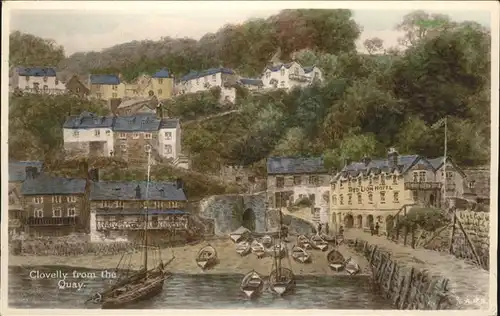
point(36, 85)
point(56, 212)
point(147, 148)
point(394, 180)
point(160, 81)
point(382, 197)
point(76, 133)
point(334, 199)
point(114, 95)
point(118, 204)
point(99, 95)
point(333, 186)
point(135, 136)
point(45, 87)
point(382, 180)
point(108, 133)
point(280, 182)
point(415, 176)
point(370, 197)
point(56, 199)
point(11, 199)
point(297, 180)
point(160, 92)
point(359, 181)
point(341, 184)
point(415, 196)
point(71, 212)
point(57, 81)
point(282, 72)
point(148, 136)
point(214, 78)
point(341, 199)
point(396, 197)
point(38, 213)
point(123, 147)
point(97, 133)
point(348, 183)
point(27, 78)
point(168, 135)
point(421, 176)
point(71, 199)
point(122, 136)
point(38, 200)
point(268, 75)
point(107, 204)
point(45, 79)
point(349, 199)
point(449, 175)
point(360, 199)
point(282, 84)
point(168, 149)
point(472, 184)
point(313, 180)
point(115, 87)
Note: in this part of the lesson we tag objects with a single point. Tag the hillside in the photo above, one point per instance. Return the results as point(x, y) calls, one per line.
point(367, 103)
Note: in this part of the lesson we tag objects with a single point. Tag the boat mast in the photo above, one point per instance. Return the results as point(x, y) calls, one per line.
point(279, 244)
point(146, 214)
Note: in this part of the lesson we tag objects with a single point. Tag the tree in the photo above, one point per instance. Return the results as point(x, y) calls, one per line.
point(26, 50)
point(417, 25)
point(374, 45)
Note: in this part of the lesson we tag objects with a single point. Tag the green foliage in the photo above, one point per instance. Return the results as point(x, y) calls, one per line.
point(26, 50)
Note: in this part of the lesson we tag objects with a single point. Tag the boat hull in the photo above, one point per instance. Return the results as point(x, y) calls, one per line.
point(337, 267)
point(283, 285)
point(336, 260)
point(206, 264)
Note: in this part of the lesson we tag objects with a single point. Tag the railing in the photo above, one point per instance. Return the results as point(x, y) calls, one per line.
point(52, 221)
point(45, 91)
point(301, 78)
point(423, 185)
point(141, 225)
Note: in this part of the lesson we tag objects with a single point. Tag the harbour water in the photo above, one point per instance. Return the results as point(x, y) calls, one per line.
point(31, 287)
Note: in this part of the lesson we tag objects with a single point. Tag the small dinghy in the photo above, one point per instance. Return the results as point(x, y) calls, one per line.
point(318, 243)
point(328, 238)
point(352, 267)
point(303, 242)
point(266, 241)
point(300, 255)
point(278, 250)
point(258, 249)
point(243, 248)
point(252, 284)
point(281, 281)
point(207, 257)
point(239, 234)
point(336, 260)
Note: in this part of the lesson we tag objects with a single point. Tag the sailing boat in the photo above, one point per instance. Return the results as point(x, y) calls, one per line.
point(281, 280)
point(141, 285)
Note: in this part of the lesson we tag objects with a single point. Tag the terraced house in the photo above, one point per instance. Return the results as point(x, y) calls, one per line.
point(290, 75)
point(106, 87)
point(118, 209)
point(374, 191)
point(160, 84)
point(39, 80)
point(55, 206)
point(207, 79)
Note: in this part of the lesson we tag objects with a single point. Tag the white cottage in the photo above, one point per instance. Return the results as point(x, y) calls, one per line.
point(290, 75)
point(37, 80)
point(207, 79)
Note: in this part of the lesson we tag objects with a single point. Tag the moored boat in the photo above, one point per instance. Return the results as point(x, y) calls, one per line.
point(206, 257)
point(252, 284)
point(318, 243)
point(240, 234)
point(300, 255)
point(303, 242)
point(258, 249)
point(266, 241)
point(336, 260)
point(328, 238)
point(281, 281)
point(278, 250)
point(243, 248)
point(352, 267)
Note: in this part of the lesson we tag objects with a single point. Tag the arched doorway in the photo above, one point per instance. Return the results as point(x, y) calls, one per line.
point(349, 221)
point(379, 219)
point(248, 220)
point(389, 223)
point(359, 221)
point(369, 221)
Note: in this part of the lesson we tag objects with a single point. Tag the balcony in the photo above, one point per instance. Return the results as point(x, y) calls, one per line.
point(45, 91)
point(104, 225)
point(423, 186)
point(300, 78)
point(52, 221)
point(14, 223)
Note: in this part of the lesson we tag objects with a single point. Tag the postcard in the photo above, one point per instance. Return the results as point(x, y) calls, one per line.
point(236, 157)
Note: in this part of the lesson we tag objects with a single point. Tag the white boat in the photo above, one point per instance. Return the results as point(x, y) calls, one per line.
point(243, 248)
point(300, 255)
point(303, 242)
point(258, 249)
point(336, 260)
point(252, 284)
point(240, 234)
point(206, 257)
point(318, 243)
point(352, 267)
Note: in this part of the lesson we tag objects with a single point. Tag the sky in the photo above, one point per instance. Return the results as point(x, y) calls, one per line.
point(89, 28)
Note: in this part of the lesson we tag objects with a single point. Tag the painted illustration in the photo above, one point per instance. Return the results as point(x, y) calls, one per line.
point(289, 159)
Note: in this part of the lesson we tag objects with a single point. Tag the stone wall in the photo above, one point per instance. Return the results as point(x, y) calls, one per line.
point(406, 286)
point(296, 226)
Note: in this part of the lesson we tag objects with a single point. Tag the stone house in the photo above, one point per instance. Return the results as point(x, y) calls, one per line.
point(291, 179)
point(54, 206)
point(207, 79)
point(75, 86)
point(477, 184)
point(39, 80)
point(290, 75)
point(118, 209)
point(137, 105)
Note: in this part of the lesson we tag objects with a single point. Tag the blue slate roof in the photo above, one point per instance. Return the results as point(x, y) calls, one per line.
point(88, 120)
point(169, 123)
point(104, 79)
point(251, 82)
point(126, 190)
point(48, 185)
point(164, 73)
point(36, 72)
point(308, 69)
point(278, 67)
point(135, 211)
point(436, 162)
point(295, 165)
point(17, 170)
point(404, 163)
point(212, 71)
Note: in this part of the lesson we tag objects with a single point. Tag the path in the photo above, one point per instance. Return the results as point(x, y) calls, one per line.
point(209, 117)
point(468, 282)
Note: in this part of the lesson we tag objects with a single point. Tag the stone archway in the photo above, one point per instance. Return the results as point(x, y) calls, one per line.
point(389, 223)
point(359, 221)
point(349, 221)
point(369, 221)
point(248, 219)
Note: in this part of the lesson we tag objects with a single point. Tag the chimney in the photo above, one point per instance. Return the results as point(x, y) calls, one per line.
point(179, 184)
point(366, 160)
point(138, 192)
point(94, 175)
point(31, 172)
point(392, 158)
